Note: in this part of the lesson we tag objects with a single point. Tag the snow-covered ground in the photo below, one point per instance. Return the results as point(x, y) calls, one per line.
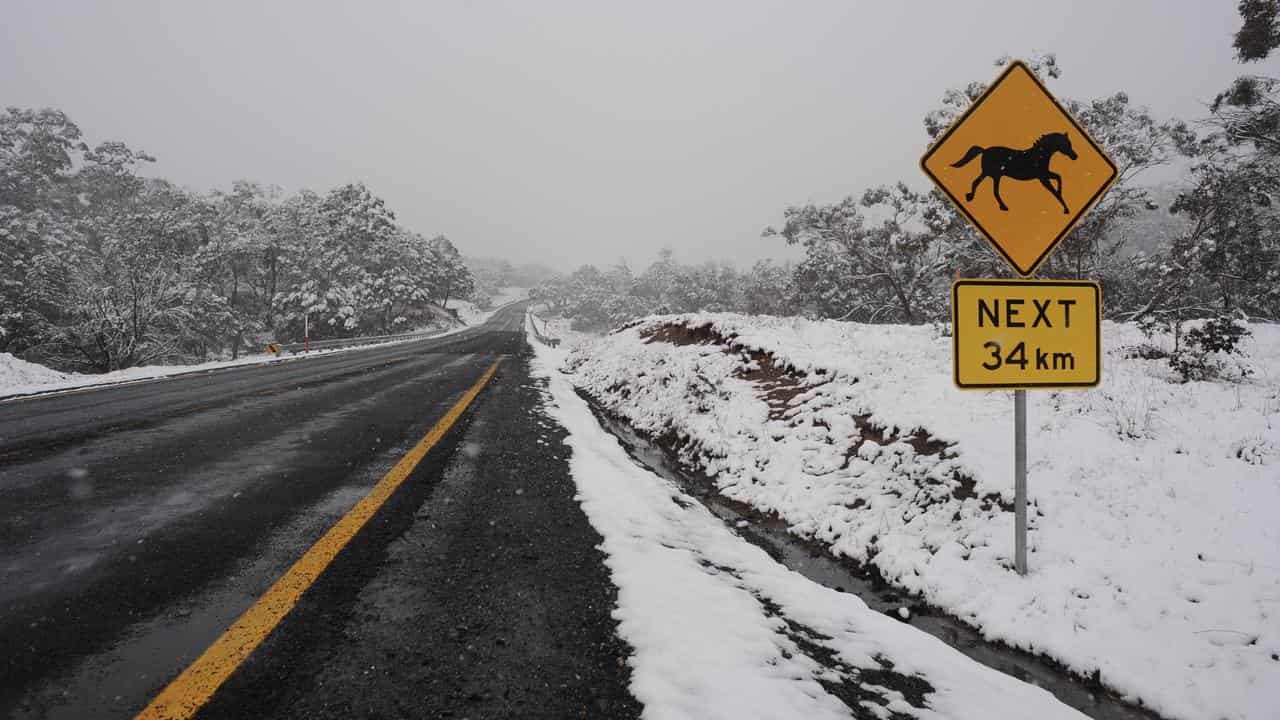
point(1154, 545)
point(473, 315)
point(18, 377)
point(721, 630)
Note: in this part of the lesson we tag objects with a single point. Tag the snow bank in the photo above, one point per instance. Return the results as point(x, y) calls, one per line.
point(20, 373)
point(18, 377)
point(721, 630)
point(1154, 546)
point(72, 381)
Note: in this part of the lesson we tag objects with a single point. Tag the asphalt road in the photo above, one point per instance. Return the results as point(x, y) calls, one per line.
point(139, 521)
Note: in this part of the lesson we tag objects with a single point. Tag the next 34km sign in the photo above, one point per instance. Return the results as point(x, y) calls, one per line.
point(1026, 333)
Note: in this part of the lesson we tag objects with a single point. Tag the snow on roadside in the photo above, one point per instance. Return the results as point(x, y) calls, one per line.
point(20, 373)
point(561, 328)
point(1153, 539)
point(721, 630)
point(73, 381)
point(472, 315)
point(20, 378)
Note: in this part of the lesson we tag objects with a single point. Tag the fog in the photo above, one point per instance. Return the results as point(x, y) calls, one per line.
point(573, 132)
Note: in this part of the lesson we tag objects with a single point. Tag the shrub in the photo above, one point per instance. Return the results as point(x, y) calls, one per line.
point(1212, 351)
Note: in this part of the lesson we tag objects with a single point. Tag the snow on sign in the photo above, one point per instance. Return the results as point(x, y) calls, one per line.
point(1020, 168)
point(1026, 334)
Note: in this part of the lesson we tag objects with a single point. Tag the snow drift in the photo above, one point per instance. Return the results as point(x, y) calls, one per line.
point(22, 374)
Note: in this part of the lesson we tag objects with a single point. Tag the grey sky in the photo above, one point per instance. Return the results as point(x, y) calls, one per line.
point(569, 132)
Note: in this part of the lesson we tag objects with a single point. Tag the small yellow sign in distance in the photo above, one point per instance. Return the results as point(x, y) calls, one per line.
point(1020, 168)
point(1018, 334)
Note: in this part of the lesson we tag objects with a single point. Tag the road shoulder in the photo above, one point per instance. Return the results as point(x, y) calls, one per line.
point(479, 591)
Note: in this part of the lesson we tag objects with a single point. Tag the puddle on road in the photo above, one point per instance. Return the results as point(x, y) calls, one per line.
point(771, 535)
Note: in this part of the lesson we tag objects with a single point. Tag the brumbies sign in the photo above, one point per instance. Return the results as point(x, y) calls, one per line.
point(1024, 172)
point(1019, 168)
point(1026, 333)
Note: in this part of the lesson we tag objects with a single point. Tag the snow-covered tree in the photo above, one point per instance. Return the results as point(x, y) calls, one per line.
point(660, 282)
point(883, 257)
point(1227, 262)
point(766, 289)
point(37, 152)
point(102, 267)
point(451, 277)
point(1259, 31)
point(131, 294)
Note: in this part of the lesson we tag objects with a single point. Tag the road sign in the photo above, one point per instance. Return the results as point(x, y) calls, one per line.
point(1020, 168)
point(1026, 334)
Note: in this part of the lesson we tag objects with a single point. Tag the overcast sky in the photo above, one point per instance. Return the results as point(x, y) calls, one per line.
point(570, 132)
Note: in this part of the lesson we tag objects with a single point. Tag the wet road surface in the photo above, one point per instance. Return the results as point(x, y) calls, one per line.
point(140, 520)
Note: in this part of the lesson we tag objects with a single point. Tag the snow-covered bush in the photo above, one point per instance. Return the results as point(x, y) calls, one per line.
point(1132, 403)
point(1212, 351)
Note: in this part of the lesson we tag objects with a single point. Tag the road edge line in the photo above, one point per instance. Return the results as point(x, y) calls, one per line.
point(195, 685)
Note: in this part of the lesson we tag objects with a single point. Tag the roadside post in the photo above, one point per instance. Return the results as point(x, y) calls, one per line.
point(1023, 172)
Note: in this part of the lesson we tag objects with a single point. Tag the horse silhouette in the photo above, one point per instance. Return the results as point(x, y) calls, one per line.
point(1029, 164)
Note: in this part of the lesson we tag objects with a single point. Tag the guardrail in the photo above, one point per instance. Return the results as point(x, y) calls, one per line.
point(541, 336)
point(296, 347)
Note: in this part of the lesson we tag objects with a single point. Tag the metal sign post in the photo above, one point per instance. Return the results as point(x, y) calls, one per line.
point(1020, 480)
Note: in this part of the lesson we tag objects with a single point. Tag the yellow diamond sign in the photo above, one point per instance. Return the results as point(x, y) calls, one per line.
point(1020, 168)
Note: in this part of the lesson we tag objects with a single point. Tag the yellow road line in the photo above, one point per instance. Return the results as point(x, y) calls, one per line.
point(192, 689)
